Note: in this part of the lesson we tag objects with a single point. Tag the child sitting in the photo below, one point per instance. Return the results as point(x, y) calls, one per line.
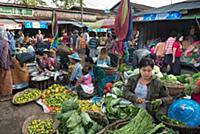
point(85, 85)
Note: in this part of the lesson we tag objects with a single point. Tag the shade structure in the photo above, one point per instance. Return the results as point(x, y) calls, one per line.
point(105, 23)
point(10, 24)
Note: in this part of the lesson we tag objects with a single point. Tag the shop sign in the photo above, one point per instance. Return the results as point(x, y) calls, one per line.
point(16, 11)
point(36, 25)
point(63, 15)
point(11, 26)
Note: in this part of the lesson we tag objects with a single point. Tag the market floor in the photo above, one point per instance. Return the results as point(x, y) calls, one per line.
point(12, 117)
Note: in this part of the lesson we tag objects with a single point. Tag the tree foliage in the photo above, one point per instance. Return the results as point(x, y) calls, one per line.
point(67, 4)
point(31, 2)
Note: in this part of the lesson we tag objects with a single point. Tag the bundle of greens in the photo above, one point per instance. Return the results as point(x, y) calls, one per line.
point(142, 123)
point(171, 121)
point(115, 110)
point(73, 121)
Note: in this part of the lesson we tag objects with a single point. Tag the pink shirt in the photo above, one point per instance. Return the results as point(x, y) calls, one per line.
point(169, 45)
point(86, 79)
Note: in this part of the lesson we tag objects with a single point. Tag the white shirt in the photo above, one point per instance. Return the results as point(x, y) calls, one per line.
point(30, 49)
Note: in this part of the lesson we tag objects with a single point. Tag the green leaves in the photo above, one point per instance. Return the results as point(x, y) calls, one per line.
point(32, 2)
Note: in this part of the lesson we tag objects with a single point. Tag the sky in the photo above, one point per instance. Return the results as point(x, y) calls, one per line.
point(107, 4)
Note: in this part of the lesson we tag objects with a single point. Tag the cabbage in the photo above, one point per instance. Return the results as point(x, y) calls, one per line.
point(172, 77)
point(116, 91)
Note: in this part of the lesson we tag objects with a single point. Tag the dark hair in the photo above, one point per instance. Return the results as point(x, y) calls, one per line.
point(178, 37)
point(85, 70)
point(146, 62)
point(163, 39)
point(173, 34)
point(89, 59)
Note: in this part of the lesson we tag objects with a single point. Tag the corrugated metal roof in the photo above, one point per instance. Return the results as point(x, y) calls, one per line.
point(187, 5)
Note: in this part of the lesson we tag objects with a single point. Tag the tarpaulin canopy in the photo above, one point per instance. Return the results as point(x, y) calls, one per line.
point(10, 24)
point(105, 23)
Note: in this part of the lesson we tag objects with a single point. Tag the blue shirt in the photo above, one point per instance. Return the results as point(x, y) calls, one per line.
point(93, 43)
point(104, 61)
point(77, 72)
point(141, 92)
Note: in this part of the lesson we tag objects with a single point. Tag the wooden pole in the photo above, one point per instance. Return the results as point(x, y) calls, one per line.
point(81, 3)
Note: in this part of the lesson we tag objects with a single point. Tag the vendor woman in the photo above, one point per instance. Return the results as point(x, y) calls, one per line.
point(145, 88)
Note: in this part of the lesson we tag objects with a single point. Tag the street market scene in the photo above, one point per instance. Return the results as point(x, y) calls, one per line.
point(99, 67)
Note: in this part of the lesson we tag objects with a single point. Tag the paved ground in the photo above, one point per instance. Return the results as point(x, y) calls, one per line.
point(12, 117)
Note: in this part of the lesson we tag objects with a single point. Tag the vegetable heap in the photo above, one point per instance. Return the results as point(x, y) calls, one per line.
point(54, 96)
point(171, 121)
point(142, 123)
point(73, 121)
point(85, 105)
point(41, 127)
point(115, 110)
point(28, 96)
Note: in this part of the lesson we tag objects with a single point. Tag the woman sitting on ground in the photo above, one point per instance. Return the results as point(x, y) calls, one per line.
point(145, 88)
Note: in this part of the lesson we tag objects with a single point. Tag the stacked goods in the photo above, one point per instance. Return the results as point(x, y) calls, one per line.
point(26, 96)
point(41, 127)
point(85, 105)
point(142, 123)
point(73, 121)
point(54, 96)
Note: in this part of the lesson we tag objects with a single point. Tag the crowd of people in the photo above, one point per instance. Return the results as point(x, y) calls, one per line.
point(78, 54)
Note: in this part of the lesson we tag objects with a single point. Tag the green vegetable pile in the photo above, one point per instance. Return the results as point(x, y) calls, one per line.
point(168, 131)
point(73, 121)
point(171, 121)
point(41, 127)
point(142, 123)
point(115, 110)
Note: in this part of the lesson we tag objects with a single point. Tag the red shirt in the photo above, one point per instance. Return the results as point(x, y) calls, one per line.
point(196, 97)
point(177, 45)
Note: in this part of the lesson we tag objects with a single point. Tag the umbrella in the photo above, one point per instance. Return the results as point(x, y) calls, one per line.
point(105, 23)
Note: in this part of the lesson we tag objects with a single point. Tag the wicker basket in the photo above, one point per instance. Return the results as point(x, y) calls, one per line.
point(176, 90)
point(181, 129)
point(40, 117)
point(99, 118)
point(113, 126)
point(21, 93)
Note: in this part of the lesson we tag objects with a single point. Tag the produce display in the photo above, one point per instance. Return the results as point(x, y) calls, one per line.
point(55, 95)
point(115, 110)
point(171, 121)
point(142, 123)
point(41, 127)
point(73, 121)
point(27, 96)
point(85, 105)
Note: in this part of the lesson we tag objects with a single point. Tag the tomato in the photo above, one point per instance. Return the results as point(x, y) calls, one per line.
point(198, 82)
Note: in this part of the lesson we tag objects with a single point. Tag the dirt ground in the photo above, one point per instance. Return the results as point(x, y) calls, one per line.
point(12, 117)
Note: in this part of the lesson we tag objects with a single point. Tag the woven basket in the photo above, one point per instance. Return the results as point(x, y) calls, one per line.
point(99, 118)
point(176, 90)
point(113, 126)
point(21, 93)
point(181, 129)
point(40, 117)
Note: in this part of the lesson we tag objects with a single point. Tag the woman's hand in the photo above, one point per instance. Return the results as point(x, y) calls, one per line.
point(173, 61)
point(140, 101)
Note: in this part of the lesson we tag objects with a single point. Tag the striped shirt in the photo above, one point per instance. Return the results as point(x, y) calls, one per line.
point(169, 45)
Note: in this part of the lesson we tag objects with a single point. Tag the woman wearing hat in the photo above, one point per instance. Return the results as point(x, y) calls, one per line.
point(77, 70)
